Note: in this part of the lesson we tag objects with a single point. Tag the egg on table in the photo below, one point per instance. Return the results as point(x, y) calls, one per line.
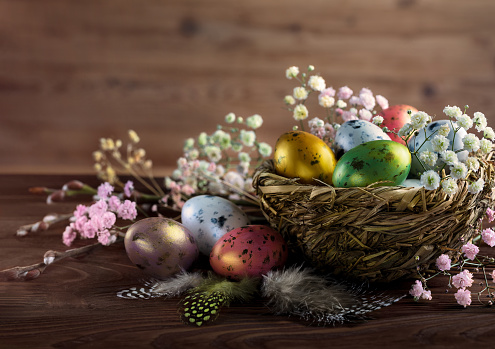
point(209, 217)
point(376, 161)
point(300, 154)
point(396, 116)
point(419, 143)
point(161, 247)
point(354, 132)
point(252, 251)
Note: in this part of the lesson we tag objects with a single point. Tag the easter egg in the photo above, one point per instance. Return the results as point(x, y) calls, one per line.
point(209, 217)
point(371, 162)
point(396, 116)
point(252, 250)
point(300, 154)
point(161, 247)
point(354, 132)
point(422, 142)
point(412, 183)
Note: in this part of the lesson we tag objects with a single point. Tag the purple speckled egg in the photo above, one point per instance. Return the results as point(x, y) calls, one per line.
point(161, 247)
point(252, 250)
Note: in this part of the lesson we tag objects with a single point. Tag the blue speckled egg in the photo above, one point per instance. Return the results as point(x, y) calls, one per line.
point(356, 132)
point(209, 217)
point(417, 143)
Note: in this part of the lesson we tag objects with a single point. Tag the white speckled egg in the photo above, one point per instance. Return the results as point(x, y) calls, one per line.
point(209, 217)
point(356, 132)
point(411, 182)
point(417, 143)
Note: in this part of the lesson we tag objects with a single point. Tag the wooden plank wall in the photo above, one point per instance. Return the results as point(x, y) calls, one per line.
point(74, 71)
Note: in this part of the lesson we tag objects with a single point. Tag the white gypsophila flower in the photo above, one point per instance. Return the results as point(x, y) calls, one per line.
point(236, 146)
point(219, 170)
point(316, 122)
point(188, 144)
point(472, 163)
point(289, 100)
point(365, 114)
point(254, 121)
point(367, 100)
point(292, 72)
point(216, 188)
point(405, 130)
point(336, 127)
point(248, 185)
point(488, 133)
point(420, 119)
point(311, 67)
point(458, 170)
point(439, 143)
point(471, 142)
point(378, 120)
point(453, 112)
point(449, 157)
point(264, 149)
point(243, 168)
point(430, 180)
point(486, 146)
point(244, 157)
point(317, 83)
point(385, 129)
point(353, 111)
point(202, 139)
point(234, 178)
point(230, 118)
point(193, 154)
point(382, 101)
point(428, 157)
point(213, 153)
point(344, 92)
point(300, 93)
point(444, 130)
point(341, 104)
point(479, 120)
point(465, 121)
point(326, 101)
point(247, 138)
point(300, 112)
point(222, 138)
point(476, 187)
point(449, 186)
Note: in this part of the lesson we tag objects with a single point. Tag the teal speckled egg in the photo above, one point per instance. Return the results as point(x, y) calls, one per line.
point(371, 162)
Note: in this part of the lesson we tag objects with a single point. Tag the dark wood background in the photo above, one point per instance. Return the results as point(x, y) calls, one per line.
point(74, 71)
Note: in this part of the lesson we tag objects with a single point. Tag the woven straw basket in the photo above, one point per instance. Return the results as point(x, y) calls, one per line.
point(372, 233)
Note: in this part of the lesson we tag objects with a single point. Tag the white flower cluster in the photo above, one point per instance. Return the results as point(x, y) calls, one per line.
point(219, 163)
point(460, 163)
point(339, 105)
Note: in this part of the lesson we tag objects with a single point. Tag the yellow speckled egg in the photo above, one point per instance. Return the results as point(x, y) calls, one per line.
point(300, 154)
point(371, 162)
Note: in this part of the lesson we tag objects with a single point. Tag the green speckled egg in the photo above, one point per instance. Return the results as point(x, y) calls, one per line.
point(371, 162)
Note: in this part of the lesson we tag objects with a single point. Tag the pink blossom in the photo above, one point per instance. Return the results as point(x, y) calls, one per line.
point(80, 211)
point(108, 219)
point(113, 203)
point(367, 100)
point(212, 167)
point(463, 279)
point(491, 214)
point(127, 210)
point(355, 100)
point(98, 208)
point(188, 190)
point(80, 222)
point(128, 188)
point(347, 116)
point(329, 91)
point(330, 131)
point(344, 93)
point(104, 190)
point(463, 297)
point(104, 237)
point(443, 262)
point(382, 101)
point(470, 251)
point(365, 114)
point(417, 289)
point(68, 235)
point(493, 275)
point(488, 236)
point(339, 111)
point(89, 230)
point(426, 295)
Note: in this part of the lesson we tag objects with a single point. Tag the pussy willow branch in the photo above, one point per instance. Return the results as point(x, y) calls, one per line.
point(30, 272)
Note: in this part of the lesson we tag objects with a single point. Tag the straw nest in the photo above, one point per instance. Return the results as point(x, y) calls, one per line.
point(379, 233)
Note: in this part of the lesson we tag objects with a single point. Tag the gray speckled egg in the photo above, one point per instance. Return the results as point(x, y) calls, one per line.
point(417, 143)
point(209, 218)
point(356, 132)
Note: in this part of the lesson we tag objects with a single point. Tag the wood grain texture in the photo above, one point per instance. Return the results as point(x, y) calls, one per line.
point(74, 304)
point(72, 72)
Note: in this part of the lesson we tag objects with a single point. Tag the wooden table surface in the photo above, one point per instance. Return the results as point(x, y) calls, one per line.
point(73, 304)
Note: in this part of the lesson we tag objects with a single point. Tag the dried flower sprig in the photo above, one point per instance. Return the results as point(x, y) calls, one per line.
point(461, 273)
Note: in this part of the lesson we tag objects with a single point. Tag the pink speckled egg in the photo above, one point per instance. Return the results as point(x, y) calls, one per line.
point(396, 116)
point(252, 250)
point(161, 247)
